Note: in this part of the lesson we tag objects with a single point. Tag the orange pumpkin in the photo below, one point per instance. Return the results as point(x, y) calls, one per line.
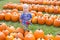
point(41, 8)
point(34, 20)
point(41, 20)
point(40, 1)
point(6, 32)
point(57, 22)
point(5, 6)
point(53, 2)
point(49, 21)
point(8, 16)
point(27, 32)
point(14, 10)
point(3, 26)
point(20, 30)
point(56, 10)
point(45, 2)
point(39, 34)
point(51, 9)
point(34, 12)
point(57, 37)
point(2, 36)
point(15, 17)
point(13, 34)
point(2, 16)
point(33, 15)
point(19, 35)
point(29, 37)
point(9, 37)
point(46, 9)
point(11, 29)
point(49, 37)
point(39, 14)
point(59, 10)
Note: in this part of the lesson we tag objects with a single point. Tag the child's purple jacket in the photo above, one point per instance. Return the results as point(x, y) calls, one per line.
point(25, 17)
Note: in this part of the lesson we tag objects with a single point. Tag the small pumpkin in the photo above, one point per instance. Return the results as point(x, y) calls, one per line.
point(2, 36)
point(34, 20)
point(20, 30)
point(8, 16)
point(57, 37)
point(39, 34)
point(29, 37)
point(41, 20)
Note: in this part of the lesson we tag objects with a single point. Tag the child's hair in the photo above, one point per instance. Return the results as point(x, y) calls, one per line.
point(25, 6)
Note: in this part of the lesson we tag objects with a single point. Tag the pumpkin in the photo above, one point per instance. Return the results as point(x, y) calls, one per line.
point(11, 29)
point(30, 8)
point(56, 10)
point(9, 37)
point(41, 8)
point(5, 6)
point(39, 14)
point(3, 26)
point(53, 2)
point(14, 10)
point(34, 20)
point(57, 22)
point(27, 32)
point(20, 30)
point(19, 35)
point(29, 37)
point(34, 12)
point(40, 39)
point(59, 9)
point(40, 1)
point(45, 2)
point(13, 34)
point(53, 17)
point(15, 17)
point(46, 9)
point(2, 36)
point(16, 38)
point(2, 16)
point(41, 20)
point(6, 32)
point(8, 16)
point(57, 37)
point(49, 37)
point(39, 34)
point(49, 21)
point(51, 9)
point(33, 15)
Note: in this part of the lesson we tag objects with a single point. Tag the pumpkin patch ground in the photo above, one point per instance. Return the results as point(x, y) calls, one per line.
point(47, 28)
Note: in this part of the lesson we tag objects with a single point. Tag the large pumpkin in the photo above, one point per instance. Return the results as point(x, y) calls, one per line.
point(41, 20)
point(20, 30)
point(2, 16)
point(15, 17)
point(57, 22)
point(34, 20)
point(29, 37)
point(57, 37)
point(49, 37)
point(8, 16)
point(39, 34)
point(2, 36)
point(49, 21)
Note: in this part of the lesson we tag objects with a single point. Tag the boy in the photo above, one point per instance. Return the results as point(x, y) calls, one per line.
point(25, 18)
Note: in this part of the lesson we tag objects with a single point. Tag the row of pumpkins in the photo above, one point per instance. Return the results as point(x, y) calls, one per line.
point(40, 8)
point(44, 2)
point(37, 17)
point(10, 33)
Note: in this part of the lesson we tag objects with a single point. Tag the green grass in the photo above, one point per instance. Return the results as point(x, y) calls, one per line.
point(47, 29)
